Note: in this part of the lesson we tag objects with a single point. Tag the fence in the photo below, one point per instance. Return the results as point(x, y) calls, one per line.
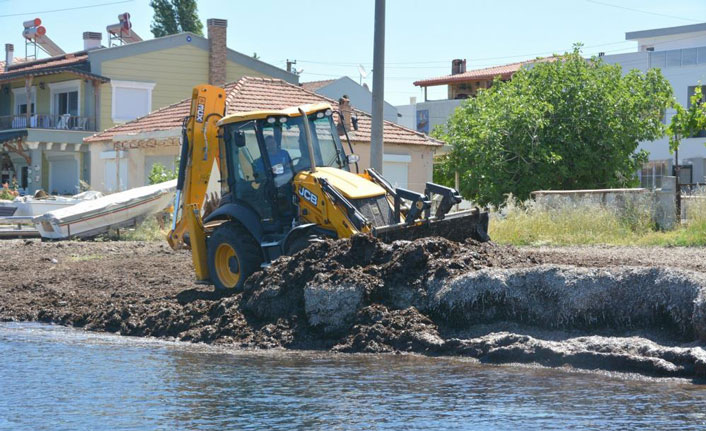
point(45, 121)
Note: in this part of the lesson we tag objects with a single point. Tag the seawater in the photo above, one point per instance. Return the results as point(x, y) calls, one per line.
point(55, 378)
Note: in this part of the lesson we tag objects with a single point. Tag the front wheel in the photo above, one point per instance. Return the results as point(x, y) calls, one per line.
point(233, 255)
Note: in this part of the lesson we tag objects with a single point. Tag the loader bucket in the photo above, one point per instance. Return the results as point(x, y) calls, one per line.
point(457, 227)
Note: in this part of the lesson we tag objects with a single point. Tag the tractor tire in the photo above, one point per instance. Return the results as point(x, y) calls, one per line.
point(233, 255)
point(300, 243)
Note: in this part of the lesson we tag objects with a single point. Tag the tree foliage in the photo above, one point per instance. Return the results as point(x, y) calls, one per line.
point(687, 122)
point(175, 16)
point(571, 123)
point(160, 174)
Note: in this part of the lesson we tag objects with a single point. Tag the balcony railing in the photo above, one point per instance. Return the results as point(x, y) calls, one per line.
point(44, 121)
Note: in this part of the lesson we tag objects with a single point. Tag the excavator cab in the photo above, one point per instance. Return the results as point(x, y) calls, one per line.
point(262, 153)
point(286, 180)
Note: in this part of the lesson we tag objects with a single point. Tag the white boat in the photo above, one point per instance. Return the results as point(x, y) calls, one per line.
point(28, 206)
point(91, 218)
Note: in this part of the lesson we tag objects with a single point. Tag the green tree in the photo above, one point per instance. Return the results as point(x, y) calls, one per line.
point(175, 16)
point(160, 174)
point(687, 122)
point(570, 123)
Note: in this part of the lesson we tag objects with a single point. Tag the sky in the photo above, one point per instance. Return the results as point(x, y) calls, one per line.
point(330, 39)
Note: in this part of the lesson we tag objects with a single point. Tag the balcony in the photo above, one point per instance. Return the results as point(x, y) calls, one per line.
point(45, 121)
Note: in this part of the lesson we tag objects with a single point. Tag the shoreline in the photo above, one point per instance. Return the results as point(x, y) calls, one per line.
point(372, 298)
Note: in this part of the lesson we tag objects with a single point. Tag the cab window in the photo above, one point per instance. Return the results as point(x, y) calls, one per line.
point(250, 179)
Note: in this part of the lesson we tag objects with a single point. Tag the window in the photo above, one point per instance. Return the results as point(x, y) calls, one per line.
point(701, 54)
point(658, 59)
point(66, 103)
point(674, 58)
point(651, 174)
point(131, 100)
point(21, 100)
point(690, 92)
point(688, 57)
point(65, 98)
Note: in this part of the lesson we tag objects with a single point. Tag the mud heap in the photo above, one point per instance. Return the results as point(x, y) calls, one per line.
point(429, 296)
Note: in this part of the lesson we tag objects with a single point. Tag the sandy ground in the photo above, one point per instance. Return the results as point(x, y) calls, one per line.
point(381, 298)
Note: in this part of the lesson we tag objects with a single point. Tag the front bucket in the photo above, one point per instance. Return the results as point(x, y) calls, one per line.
point(457, 227)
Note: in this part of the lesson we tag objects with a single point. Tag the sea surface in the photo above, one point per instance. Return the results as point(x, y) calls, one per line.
point(55, 378)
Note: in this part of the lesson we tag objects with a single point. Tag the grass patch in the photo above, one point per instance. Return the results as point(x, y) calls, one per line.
point(86, 258)
point(529, 224)
point(148, 230)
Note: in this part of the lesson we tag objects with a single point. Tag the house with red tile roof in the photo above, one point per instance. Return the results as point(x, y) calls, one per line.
point(407, 160)
point(461, 84)
point(49, 105)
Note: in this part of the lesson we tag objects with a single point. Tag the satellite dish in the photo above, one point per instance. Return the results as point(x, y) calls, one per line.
point(298, 72)
point(362, 72)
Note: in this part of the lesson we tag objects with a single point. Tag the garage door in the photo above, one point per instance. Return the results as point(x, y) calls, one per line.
point(63, 176)
point(396, 173)
point(395, 168)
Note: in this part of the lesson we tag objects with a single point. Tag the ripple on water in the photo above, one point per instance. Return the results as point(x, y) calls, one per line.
point(59, 378)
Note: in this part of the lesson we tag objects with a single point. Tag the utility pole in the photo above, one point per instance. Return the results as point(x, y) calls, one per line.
point(677, 185)
point(376, 143)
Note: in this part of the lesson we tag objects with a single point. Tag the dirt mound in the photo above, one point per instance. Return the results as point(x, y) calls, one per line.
point(429, 296)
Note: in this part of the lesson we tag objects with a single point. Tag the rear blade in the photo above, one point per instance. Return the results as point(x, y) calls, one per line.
point(457, 227)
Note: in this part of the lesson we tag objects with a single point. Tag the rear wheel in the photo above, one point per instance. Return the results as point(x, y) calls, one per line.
point(233, 255)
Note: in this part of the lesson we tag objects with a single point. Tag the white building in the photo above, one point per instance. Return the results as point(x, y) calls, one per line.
point(680, 53)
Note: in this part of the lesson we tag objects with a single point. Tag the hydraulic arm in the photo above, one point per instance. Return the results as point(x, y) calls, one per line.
point(199, 151)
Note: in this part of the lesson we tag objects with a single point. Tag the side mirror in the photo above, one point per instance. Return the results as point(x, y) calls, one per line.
point(353, 158)
point(239, 139)
point(278, 169)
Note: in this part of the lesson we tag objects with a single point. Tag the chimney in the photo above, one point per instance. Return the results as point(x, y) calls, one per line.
point(217, 50)
point(91, 40)
point(458, 66)
point(9, 54)
point(344, 104)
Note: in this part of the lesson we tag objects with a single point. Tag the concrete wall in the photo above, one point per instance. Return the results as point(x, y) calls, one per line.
point(660, 204)
point(359, 96)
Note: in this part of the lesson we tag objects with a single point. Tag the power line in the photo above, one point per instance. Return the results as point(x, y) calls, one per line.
point(65, 9)
point(641, 11)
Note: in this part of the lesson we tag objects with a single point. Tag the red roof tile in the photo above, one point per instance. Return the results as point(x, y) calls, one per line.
point(46, 63)
point(17, 60)
point(251, 94)
point(315, 85)
point(504, 71)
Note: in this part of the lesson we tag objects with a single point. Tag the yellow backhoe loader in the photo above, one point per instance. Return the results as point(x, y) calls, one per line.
point(285, 180)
